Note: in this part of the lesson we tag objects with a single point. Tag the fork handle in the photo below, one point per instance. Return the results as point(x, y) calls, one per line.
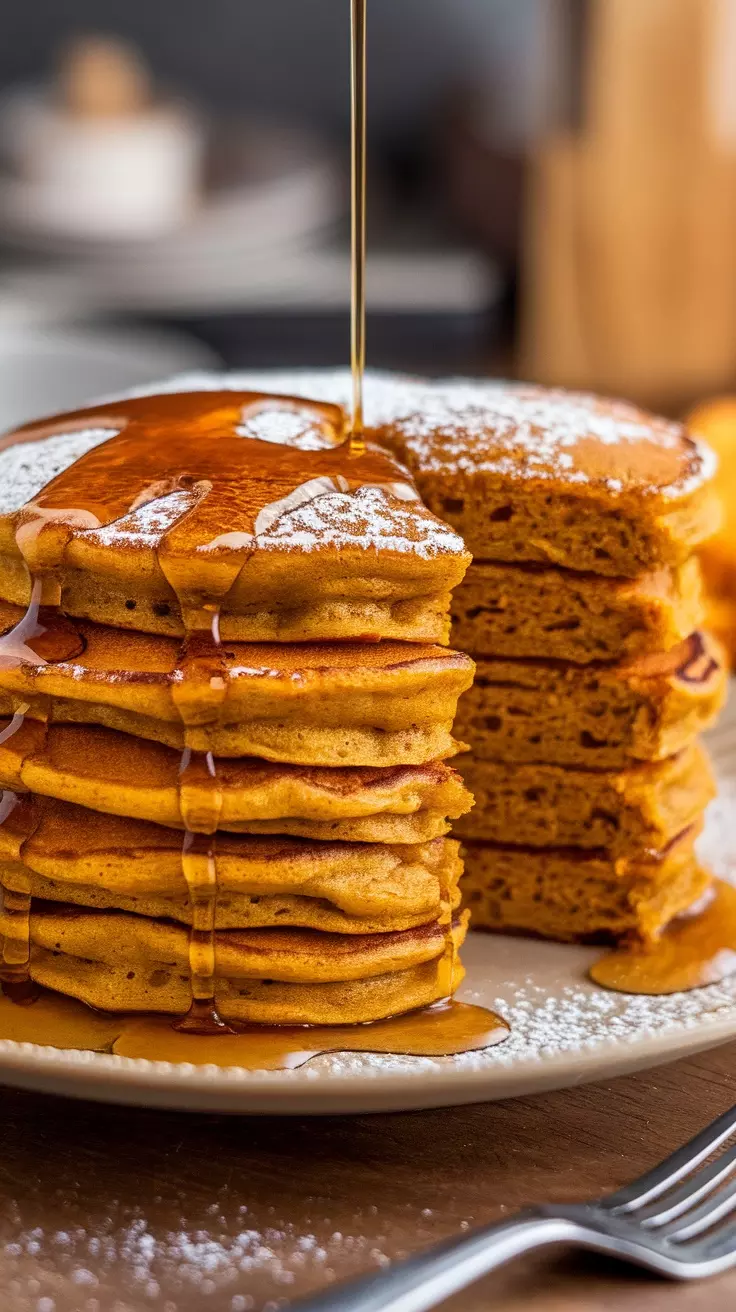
point(426, 1280)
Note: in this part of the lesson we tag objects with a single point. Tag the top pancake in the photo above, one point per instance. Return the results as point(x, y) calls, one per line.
point(530, 474)
point(160, 506)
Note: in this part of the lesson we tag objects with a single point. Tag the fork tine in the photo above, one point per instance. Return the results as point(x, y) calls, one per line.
point(699, 1185)
point(662, 1177)
point(694, 1222)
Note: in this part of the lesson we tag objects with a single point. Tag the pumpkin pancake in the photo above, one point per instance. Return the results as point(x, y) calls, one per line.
point(65, 853)
point(367, 704)
point(527, 473)
point(558, 614)
point(581, 896)
point(114, 772)
point(119, 962)
point(258, 506)
point(642, 807)
point(594, 716)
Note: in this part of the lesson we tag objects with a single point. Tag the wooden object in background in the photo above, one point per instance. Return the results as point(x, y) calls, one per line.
point(630, 253)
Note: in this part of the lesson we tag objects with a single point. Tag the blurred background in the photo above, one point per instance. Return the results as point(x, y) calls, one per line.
point(552, 193)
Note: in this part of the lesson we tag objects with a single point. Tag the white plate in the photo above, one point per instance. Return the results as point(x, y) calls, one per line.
point(565, 1030)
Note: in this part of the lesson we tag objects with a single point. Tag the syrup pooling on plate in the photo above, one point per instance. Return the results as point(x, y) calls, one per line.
point(695, 950)
point(62, 1022)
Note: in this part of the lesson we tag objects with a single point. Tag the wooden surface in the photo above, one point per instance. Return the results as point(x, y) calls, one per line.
point(114, 1210)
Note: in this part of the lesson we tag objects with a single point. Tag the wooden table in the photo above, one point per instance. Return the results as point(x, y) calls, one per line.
point(119, 1210)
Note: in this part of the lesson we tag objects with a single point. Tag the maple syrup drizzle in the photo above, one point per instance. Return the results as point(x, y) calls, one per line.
point(203, 678)
point(201, 806)
point(358, 225)
point(696, 949)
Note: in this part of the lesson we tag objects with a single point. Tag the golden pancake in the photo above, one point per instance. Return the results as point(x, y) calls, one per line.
point(386, 703)
point(252, 503)
point(558, 614)
point(65, 853)
point(117, 962)
point(528, 473)
point(122, 775)
point(233, 910)
point(595, 716)
point(581, 896)
point(531, 474)
point(625, 811)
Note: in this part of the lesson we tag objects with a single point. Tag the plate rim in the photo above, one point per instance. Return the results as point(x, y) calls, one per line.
point(113, 1079)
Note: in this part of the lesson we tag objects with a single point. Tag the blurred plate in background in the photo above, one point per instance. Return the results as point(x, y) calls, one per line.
point(268, 186)
point(43, 371)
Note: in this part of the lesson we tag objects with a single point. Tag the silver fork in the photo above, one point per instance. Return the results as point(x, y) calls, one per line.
point(675, 1229)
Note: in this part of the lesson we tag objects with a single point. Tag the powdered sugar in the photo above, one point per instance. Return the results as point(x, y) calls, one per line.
point(444, 427)
point(173, 1252)
point(295, 426)
point(146, 526)
point(26, 468)
point(368, 519)
point(454, 426)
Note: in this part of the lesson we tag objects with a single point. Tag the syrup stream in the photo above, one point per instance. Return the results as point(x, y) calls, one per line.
point(358, 224)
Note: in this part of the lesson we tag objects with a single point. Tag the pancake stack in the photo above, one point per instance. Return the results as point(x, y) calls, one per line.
point(582, 610)
point(228, 706)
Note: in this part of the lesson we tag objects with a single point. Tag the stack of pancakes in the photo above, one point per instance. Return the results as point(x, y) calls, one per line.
point(228, 709)
point(582, 610)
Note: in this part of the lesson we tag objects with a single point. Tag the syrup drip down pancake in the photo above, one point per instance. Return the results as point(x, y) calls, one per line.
point(65, 853)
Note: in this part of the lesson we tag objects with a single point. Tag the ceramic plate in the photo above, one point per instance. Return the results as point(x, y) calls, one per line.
point(565, 1030)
